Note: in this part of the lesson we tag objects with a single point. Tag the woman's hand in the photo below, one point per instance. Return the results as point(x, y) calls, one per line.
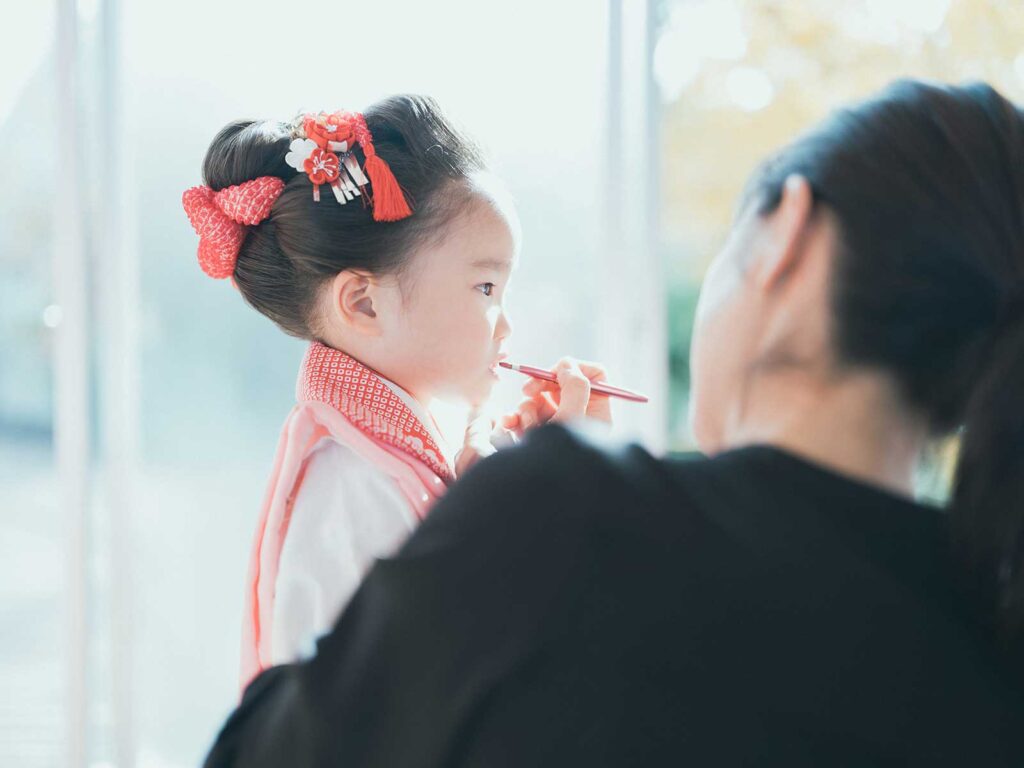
point(476, 443)
point(565, 400)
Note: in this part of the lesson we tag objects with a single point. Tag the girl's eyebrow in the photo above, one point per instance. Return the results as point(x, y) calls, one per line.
point(498, 265)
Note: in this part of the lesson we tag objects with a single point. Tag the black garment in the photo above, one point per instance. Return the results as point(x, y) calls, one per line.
point(566, 605)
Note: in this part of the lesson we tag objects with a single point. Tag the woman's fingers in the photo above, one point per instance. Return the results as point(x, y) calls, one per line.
point(568, 398)
point(574, 391)
point(593, 371)
point(528, 415)
point(531, 412)
point(534, 387)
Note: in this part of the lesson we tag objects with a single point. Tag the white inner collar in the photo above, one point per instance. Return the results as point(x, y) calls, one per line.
point(421, 413)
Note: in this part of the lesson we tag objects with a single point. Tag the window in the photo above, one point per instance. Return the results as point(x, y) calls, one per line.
point(140, 402)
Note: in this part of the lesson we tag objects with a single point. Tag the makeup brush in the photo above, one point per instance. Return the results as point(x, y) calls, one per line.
point(598, 387)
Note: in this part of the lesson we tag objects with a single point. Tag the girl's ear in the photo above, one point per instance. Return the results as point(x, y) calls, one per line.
point(353, 302)
point(787, 227)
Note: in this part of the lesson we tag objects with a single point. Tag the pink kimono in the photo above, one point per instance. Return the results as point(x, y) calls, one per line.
point(342, 400)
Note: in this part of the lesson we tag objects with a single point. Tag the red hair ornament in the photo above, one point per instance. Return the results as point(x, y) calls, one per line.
point(324, 136)
point(321, 149)
point(220, 219)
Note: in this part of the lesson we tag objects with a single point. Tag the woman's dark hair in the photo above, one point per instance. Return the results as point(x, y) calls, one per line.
point(926, 183)
point(285, 259)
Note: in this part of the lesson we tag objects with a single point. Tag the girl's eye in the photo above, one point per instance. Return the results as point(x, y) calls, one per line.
point(486, 288)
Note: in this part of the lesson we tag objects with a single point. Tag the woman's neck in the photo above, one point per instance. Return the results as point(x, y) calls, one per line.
point(853, 424)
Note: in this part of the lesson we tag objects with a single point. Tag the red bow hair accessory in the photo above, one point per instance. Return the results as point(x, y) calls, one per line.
point(322, 150)
point(220, 219)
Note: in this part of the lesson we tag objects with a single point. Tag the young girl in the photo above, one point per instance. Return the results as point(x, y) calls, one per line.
point(380, 238)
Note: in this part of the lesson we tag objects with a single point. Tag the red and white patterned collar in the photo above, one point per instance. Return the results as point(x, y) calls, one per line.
point(368, 401)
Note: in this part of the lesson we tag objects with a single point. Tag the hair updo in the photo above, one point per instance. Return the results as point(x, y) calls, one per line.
point(285, 259)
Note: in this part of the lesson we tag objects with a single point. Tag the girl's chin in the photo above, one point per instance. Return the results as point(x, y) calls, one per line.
point(472, 393)
point(482, 388)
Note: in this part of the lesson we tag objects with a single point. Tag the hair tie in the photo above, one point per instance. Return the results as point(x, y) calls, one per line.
point(220, 219)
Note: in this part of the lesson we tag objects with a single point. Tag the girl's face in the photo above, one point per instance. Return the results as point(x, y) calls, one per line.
point(447, 327)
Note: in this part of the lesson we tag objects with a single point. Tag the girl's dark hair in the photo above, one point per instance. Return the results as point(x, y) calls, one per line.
point(285, 259)
point(926, 182)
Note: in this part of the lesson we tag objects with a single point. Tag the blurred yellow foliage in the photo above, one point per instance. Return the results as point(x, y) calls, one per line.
point(808, 56)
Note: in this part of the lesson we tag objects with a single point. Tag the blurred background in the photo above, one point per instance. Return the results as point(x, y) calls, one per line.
point(140, 402)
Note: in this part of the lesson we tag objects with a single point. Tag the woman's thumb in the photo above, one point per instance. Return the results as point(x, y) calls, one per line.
point(574, 391)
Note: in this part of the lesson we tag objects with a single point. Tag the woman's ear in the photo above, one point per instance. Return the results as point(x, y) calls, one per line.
point(353, 300)
point(787, 227)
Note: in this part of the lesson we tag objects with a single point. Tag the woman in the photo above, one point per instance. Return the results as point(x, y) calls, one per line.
point(785, 601)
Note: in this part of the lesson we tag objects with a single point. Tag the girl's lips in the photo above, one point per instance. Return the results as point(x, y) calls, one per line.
point(493, 367)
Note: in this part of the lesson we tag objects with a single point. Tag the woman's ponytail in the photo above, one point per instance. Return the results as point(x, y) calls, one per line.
point(987, 512)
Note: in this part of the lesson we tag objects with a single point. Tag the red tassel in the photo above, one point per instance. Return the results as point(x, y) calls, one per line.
point(389, 202)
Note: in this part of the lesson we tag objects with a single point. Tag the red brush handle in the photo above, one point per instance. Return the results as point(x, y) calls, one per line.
point(598, 386)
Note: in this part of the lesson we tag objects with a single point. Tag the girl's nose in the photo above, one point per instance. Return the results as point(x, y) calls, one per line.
point(503, 328)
